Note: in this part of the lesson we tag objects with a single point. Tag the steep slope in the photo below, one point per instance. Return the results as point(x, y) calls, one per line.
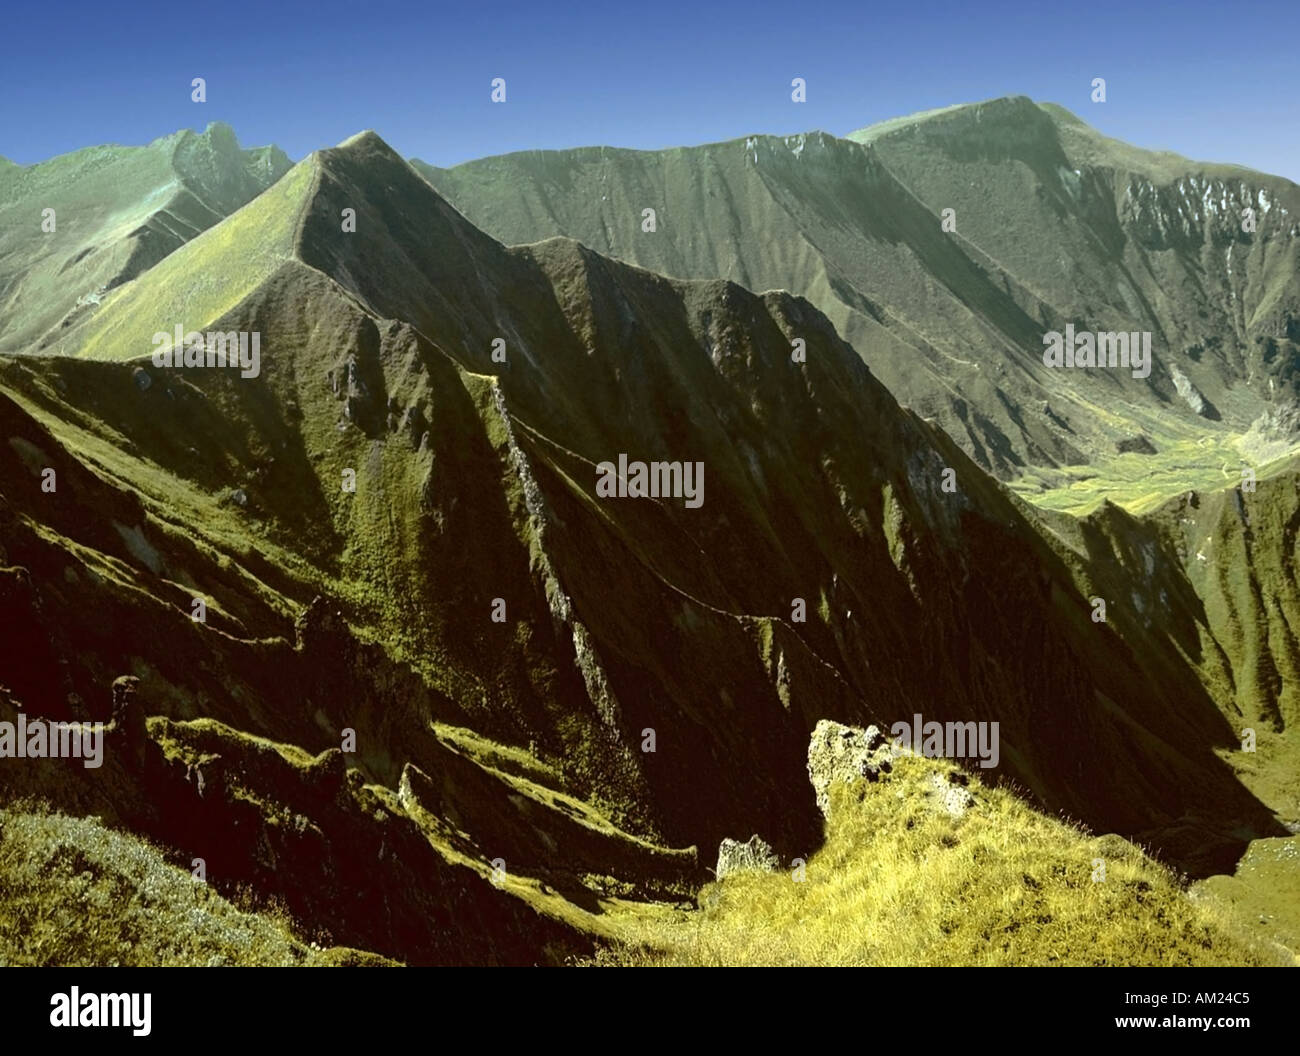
point(1238, 546)
point(983, 880)
point(73, 894)
point(476, 493)
point(1054, 225)
point(116, 212)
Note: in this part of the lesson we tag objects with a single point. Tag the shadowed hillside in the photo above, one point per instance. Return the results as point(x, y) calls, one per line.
point(397, 534)
point(1051, 224)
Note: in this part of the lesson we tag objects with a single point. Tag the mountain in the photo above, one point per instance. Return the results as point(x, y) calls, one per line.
point(116, 212)
point(1054, 225)
point(451, 702)
point(908, 857)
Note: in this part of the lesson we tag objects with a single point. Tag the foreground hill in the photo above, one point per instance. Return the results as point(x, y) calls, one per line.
point(561, 701)
point(73, 893)
point(969, 878)
point(1054, 225)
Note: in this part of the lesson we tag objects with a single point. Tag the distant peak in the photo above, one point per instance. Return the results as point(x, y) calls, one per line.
point(217, 135)
point(1063, 114)
point(367, 141)
point(220, 128)
point(1004, 107)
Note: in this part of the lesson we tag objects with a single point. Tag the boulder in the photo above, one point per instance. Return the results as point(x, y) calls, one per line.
point(846, 753)
point(849, 753)
point(948, 793)
point(756, 855)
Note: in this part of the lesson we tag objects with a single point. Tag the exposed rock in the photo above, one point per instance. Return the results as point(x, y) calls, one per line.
point(846, 753)
point(1192, 396)
point(328, 773)
point(413, 422)
point(949, 794)
point(756, 855)
point(321, 626)
point(129, 719)
point(1272, 435)
point(1137, 445)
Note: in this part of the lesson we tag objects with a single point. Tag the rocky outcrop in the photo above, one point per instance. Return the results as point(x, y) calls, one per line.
point(839, 753)
point(755, 855)
point(129, 719)
point(949, 793)
point(846, 753)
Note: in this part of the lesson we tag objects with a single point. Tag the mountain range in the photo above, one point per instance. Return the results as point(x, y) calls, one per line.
point(1051, 224)
point(419, 708)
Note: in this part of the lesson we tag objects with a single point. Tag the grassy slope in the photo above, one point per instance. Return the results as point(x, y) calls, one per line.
point(1230, 553)
point(76, 894)
point(695, 367)
point(118, 211)
point(204, 279)
point(898, 883)
point(952, 323)
point(1263, 894)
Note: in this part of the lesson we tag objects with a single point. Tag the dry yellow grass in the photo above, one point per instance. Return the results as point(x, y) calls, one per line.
point(898, 883)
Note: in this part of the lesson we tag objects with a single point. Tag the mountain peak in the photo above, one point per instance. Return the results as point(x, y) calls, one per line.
point(1016, 108)
point(366, 142)
point(219, 130)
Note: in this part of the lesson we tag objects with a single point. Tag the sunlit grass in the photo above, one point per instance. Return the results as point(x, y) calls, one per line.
point(899, 884)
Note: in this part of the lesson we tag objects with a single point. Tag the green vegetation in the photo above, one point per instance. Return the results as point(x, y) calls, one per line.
point(370, 609)
point(1263, 895)
point(898, 883)
point(117, 211)
point(1054, 223)
point(1138, 482)
point(76, 894)
point(206, 278)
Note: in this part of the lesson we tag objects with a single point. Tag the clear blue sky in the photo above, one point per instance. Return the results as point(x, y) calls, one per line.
point(1214, 81)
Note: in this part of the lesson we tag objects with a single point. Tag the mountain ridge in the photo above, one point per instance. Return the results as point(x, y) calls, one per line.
point(418, 290)
point(126, 207)
point(371, 609)
point(980, 373)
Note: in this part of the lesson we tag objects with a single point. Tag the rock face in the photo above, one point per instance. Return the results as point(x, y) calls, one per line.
point(1163, 220)
point(846, 753)
point(1137, 445)
point(129, 718)
point(754, 856)
point(849, 753)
